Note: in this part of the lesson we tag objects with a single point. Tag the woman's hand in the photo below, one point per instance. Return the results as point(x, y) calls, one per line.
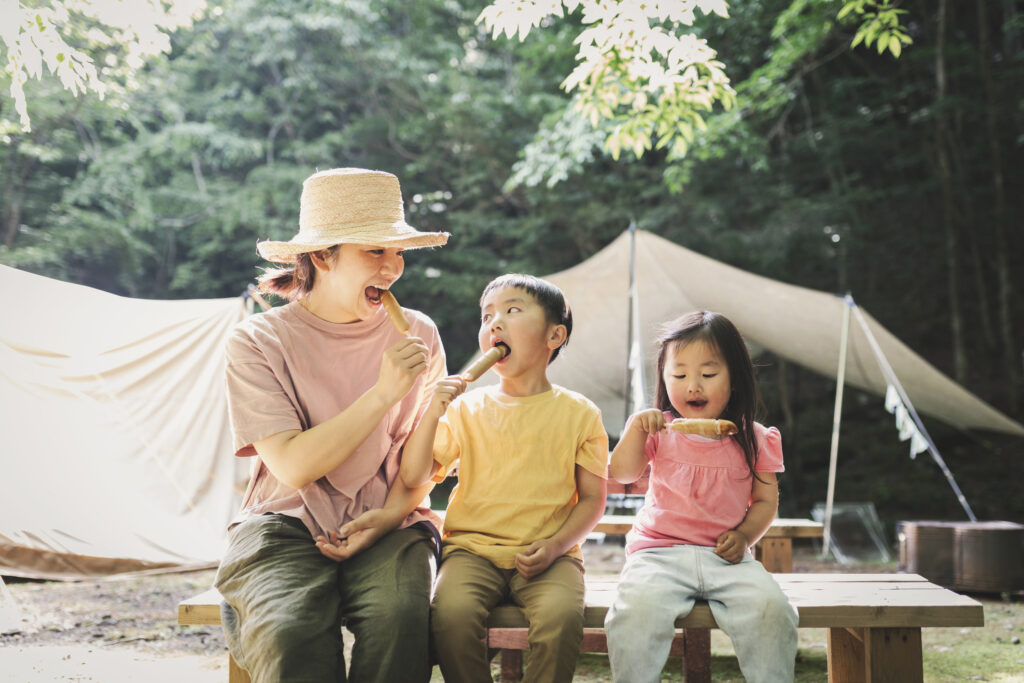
point(357, 535)
point(732, 546)
point(400, 367)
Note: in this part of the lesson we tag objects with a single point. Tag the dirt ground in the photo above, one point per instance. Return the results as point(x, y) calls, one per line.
point(121, 630)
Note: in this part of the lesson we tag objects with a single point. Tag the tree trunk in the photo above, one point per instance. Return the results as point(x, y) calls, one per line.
point(11, 215)
point(949, 227)
point(1004, 287)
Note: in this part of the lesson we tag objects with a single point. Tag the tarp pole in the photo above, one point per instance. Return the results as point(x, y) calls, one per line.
point(893, 380)
point(254, 295)
point(630, 399)
point(836, 416)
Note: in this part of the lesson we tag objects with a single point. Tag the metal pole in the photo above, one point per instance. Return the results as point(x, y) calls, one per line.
point(836, 416)
point(891, 378)
point(629, 321)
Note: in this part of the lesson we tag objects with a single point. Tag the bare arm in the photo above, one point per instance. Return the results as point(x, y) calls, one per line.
point(628, 456)
point(418, 455)
point(763, 507)
point(581, 520)
point(298, 458)
point(367, 528)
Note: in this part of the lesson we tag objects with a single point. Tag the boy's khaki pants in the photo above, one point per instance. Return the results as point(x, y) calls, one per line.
point(469, 586)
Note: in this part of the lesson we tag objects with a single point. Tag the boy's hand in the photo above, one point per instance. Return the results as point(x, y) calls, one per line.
point(732, 545)
point(538, 556)
point(446, 391)
point(357, 535)
point(400, 367)
point(650, 421)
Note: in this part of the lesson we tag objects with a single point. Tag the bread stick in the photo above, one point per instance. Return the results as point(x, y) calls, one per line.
point(703, 427)
point(395, 312)
point(484, 362)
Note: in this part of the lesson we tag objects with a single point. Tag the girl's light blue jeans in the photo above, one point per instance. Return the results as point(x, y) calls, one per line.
point(658, 585)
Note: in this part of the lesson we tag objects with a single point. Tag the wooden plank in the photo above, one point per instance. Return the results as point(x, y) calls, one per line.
point(697, 655)
point(203, 609)
point(839, 577)
point(617, 525)
point(784, 527)
point(236, 674)
point(823, 600)
point(780, 528)
point(511, 666)
point(776, 554)
point(893, 655)
point(594, 640)
point(845, 656)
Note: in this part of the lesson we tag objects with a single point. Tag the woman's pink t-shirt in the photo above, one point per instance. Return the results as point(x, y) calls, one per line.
point(699, 488)
point(288, 369)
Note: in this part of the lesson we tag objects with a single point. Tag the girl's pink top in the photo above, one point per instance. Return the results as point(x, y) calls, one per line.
point(699, 487)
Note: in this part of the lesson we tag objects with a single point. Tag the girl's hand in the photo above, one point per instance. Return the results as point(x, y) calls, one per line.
point(732, 546)
point(650, 421)
point(400, 367)
point(445, 391)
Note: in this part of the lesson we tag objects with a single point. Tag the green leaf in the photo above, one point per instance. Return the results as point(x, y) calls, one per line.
point(895, 47)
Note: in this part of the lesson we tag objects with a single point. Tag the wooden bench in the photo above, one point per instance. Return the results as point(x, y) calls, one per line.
point(874, 624)
point(774, 550)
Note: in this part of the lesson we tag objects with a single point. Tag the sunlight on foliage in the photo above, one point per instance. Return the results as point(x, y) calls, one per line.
point(644, 80)
point(880, 24)
point(640, 77)
point(52, 34)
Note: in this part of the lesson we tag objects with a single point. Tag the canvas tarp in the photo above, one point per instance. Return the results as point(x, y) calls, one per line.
point(115, 448)
point(798, 324)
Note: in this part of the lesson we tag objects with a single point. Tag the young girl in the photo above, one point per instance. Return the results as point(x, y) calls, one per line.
point(532, 463)
point(708, 502)
point(323, 392)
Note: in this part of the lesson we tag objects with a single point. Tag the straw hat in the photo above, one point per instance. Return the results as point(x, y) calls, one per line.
point(350, 205)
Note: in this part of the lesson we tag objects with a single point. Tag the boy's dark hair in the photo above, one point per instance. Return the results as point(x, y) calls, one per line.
point(550, 298)
point(717, 331)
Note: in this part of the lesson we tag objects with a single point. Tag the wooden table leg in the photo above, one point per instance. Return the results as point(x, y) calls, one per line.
point(776, 554)
point(697, 655)
point(236, 674)
point(511, 666)
point(875, 655)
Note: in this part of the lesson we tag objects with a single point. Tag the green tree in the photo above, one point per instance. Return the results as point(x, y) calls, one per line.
point(55, 35)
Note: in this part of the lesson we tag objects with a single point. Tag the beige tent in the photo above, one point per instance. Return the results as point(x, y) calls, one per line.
point(114, 441)
point(801, 325)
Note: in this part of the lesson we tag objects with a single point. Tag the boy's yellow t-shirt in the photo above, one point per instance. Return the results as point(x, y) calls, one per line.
point(517, 460)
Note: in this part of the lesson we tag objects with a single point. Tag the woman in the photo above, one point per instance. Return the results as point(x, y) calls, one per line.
point(324, 392)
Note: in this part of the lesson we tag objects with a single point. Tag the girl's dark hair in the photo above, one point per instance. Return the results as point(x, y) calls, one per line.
point(717, 331)
point(293, 282)
point(550, 298)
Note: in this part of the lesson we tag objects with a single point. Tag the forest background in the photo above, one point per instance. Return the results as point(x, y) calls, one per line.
point(837, 168)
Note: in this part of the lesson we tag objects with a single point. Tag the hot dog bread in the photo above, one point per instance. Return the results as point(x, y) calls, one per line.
point(394, 311)
point(484, 362)
point(703, 427)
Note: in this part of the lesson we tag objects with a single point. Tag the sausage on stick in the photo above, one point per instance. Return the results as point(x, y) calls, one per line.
point(394, 311)
point(484, 362)
point(703, 426)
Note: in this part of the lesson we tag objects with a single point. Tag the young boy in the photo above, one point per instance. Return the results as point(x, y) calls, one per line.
point(532, 463)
